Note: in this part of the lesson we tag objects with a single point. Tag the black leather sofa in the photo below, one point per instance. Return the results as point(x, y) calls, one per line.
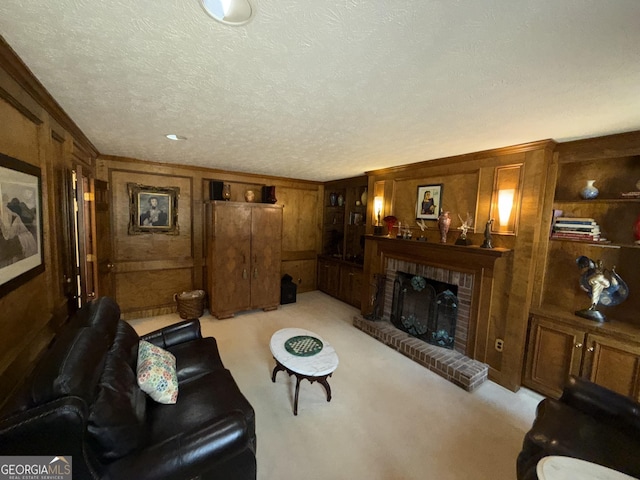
point(82, 400)
point(588, 422)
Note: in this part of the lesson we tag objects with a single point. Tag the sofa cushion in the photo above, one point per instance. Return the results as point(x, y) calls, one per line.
point(71, 367)
point(196, 357)
point(117, 417)
point(202, 401)
point(157, 373)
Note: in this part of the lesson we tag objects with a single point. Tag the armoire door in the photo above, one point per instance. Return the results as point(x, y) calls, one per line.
point(231, 260)
point(266, 253)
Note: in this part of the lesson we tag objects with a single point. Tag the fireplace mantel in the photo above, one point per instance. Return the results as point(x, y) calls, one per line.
point(488, 267)
point(469, 258)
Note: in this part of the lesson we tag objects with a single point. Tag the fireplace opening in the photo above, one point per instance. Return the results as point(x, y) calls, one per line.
point(425, 308)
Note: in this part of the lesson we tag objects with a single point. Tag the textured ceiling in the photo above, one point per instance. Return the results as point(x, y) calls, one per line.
point(329, 89)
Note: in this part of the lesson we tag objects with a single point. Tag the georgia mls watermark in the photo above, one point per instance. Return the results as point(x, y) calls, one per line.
point(35, 468)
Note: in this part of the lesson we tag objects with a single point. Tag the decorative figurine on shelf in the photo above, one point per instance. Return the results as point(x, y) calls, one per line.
point(488, 241)
point(466, 225)
point(226, 192)
point(390, 220)
point(423, 226)
point(444, 222)
point(249, 196)
point(605, 287)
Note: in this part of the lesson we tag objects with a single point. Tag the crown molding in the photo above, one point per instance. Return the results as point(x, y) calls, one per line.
point(13, 65)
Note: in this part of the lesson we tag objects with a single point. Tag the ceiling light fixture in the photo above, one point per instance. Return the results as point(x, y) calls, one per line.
point(229, 12)
point(173, 136)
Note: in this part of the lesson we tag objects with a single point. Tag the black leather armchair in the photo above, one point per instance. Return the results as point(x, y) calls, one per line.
point(588, 422)
point(83, 401)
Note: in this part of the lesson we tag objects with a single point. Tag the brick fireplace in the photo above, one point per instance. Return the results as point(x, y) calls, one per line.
point(467, 267)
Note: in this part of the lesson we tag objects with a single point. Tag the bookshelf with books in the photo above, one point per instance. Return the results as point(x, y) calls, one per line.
point(559, 341)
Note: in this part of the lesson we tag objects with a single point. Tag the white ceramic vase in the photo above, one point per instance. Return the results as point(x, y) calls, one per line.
point(589, 192)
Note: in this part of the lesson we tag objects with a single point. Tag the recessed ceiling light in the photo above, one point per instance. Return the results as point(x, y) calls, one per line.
point(173, 136)
point(229, 12)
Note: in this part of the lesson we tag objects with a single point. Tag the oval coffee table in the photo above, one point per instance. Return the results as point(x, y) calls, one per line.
point(557, 467)
point(304, 354)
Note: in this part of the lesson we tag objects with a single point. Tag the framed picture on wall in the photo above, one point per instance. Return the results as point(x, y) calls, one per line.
point(429, 202)
point(153, 209)
point(21, 253)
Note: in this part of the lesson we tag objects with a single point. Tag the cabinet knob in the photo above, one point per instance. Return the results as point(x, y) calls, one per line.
point(590, 349)
point(578, 345)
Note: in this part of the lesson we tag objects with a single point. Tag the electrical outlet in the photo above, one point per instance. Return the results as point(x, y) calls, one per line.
point(499, 344)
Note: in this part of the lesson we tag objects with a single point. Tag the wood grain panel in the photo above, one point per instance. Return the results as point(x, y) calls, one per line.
point(151, 246)
point(614, 365)
point(266, 250)
point(459, 195)
point(138, 291)
point(300, 215)
point(303, 273)
point(553, 355)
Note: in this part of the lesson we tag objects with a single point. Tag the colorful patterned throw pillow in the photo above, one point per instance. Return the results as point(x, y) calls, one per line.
point(157, 373)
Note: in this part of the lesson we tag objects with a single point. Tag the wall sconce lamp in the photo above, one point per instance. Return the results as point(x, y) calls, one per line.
point(378, 205)
point(505, 204)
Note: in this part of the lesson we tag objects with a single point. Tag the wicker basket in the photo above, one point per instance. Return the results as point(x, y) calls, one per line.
point(190, 304)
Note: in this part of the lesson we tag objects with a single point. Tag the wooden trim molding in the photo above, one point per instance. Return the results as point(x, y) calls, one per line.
point(496, 152)
point(16, 69)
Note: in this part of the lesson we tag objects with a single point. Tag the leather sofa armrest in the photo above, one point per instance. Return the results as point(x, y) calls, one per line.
point(180, 332)
point(187, 455)
point(603, 404)
point(54, 428)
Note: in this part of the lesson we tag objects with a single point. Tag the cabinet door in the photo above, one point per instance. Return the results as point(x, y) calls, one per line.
point(266, 252)
point(329, 277)
point(554, 352)
point(613, 364)
point(350, 285)
point(230, 251)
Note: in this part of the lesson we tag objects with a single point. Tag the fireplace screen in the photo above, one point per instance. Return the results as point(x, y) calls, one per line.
point(425, 308)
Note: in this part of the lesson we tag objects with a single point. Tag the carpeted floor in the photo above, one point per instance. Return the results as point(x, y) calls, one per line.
point(389, 418)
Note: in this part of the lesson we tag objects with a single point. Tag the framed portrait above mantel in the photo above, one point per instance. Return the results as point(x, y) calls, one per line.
point(21, 247)
point(429, 202)
point(153, 209)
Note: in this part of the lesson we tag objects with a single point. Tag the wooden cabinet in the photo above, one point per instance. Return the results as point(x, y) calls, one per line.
point(561, 343)
point(606, 354)
point(613, 364)
point(351, 284)
point(345, 218)
point(344, 223)
point(329, 276)
point(614, 164)
point(341, 280)
point(244, 242)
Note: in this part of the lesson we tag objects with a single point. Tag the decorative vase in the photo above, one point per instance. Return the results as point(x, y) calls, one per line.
point(249, 196)
point(444, 222)
point(589, 192)
point(333, 198)
point(340, 200)
point(269, 194)
point(226, 192)
point(363, 197)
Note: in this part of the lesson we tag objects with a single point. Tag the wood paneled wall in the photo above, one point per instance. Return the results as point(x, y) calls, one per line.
point(150, 268)
point(468, 182)
point(36, 131)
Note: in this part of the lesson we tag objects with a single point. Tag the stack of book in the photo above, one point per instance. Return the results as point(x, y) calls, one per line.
point(576, 228)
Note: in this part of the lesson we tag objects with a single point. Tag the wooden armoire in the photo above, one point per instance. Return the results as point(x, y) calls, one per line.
point(244, 247)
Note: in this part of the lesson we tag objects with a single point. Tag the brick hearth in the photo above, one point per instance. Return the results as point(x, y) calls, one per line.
point(449, 364)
